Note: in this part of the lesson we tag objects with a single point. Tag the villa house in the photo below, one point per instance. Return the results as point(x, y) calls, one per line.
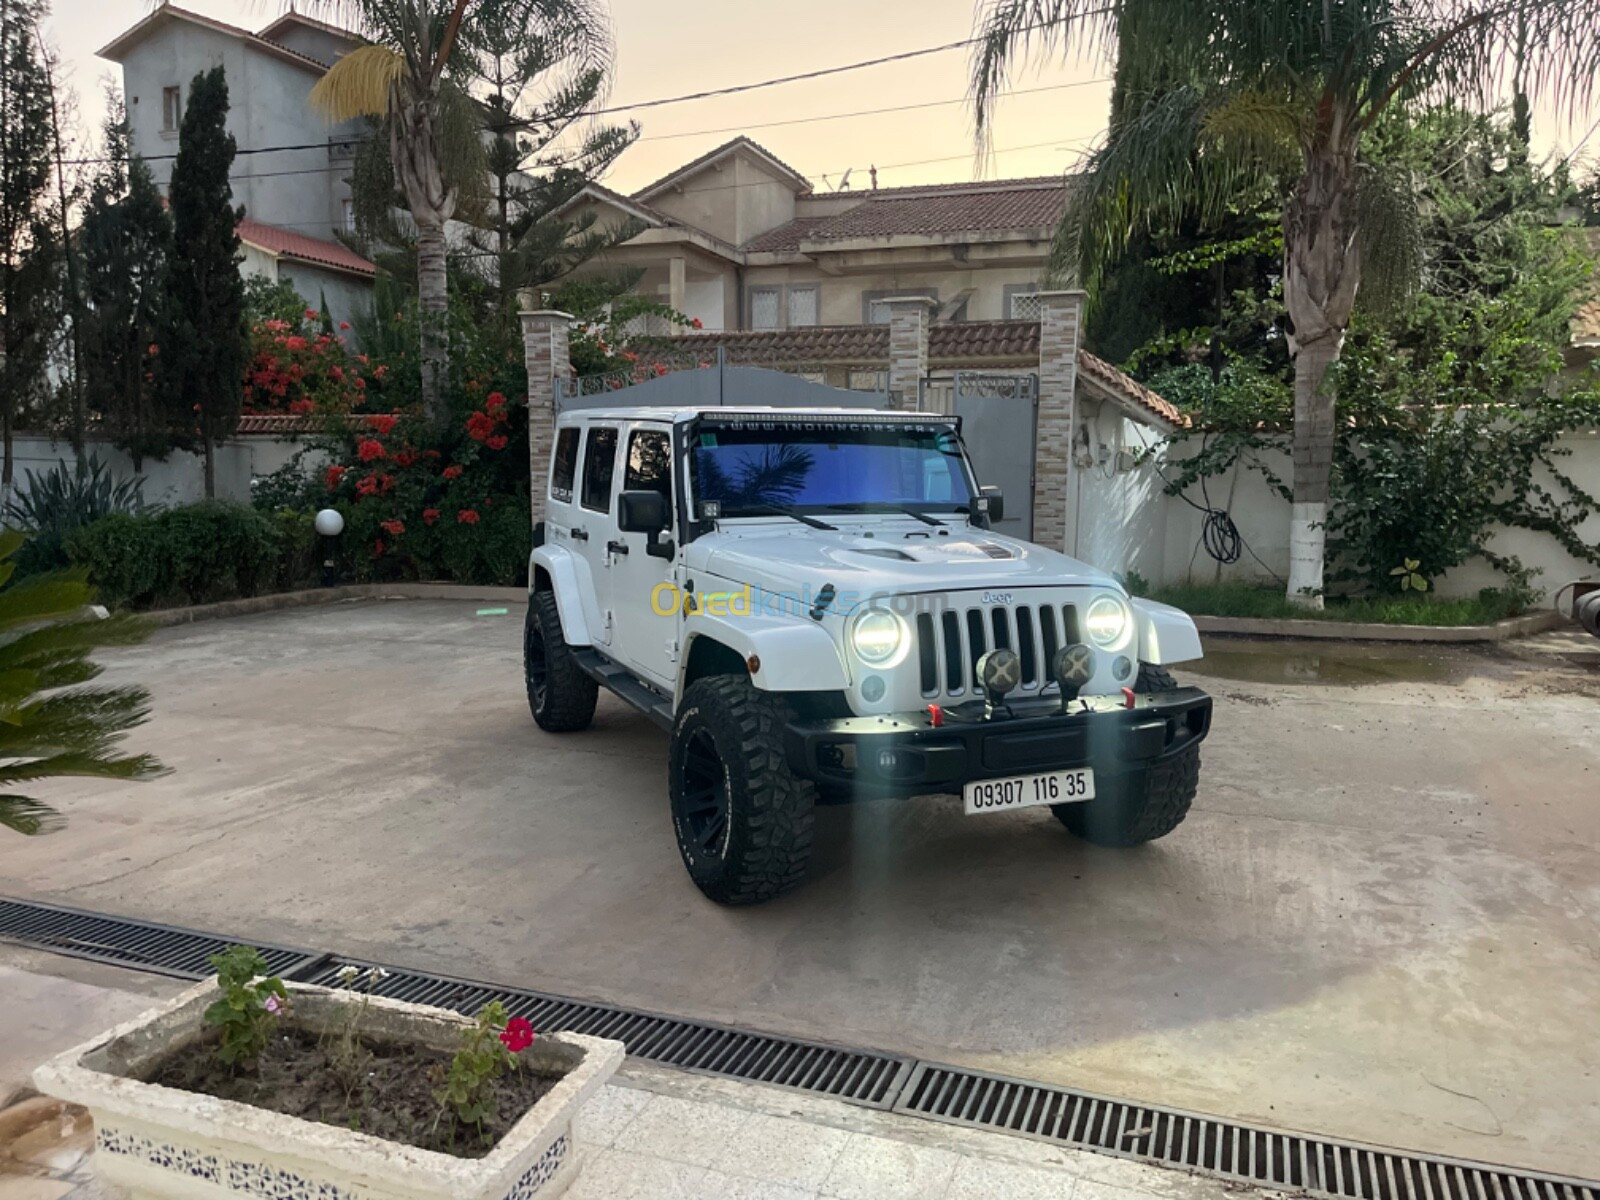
point(293, 165)
point(738, 240)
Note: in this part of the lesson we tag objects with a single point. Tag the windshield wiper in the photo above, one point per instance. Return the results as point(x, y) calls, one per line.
point(884, 506)
point(779, 510)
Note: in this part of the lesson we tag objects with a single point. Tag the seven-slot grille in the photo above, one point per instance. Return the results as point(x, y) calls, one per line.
point(950, 641)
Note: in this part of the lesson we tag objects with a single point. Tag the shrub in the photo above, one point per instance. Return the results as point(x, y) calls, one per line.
point(63, 499)
point(197, 554)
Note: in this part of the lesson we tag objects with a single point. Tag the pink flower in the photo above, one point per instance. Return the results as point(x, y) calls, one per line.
point(276, 1006)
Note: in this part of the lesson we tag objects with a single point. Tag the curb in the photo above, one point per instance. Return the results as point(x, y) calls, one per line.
point(253, 605)
point(1500, 631)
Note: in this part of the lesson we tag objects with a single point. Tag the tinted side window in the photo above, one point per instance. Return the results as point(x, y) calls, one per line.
point(649, 463)
point(566, 465)
point(599, 467)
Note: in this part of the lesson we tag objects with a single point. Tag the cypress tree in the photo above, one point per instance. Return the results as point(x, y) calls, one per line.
point(29, 279)
point(206, 334)
point(126, 238)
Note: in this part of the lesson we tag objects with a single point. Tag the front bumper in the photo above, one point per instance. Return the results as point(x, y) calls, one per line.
point(906, 754)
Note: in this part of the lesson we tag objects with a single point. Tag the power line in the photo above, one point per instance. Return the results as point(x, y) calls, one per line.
point(865, 112)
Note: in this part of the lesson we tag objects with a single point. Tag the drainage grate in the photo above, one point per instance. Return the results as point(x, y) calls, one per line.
point(860, 1076)
point(1249, 1154)
point(149, 947)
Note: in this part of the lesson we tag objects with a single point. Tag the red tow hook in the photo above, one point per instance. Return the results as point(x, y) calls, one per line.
point(1127, 697)
point(935, 716)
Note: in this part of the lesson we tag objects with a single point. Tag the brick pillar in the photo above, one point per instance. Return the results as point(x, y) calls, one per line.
point(544, 347)
point(1060, 326)
point(909, 318)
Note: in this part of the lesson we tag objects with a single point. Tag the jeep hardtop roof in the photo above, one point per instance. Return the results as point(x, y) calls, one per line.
point(690, 412)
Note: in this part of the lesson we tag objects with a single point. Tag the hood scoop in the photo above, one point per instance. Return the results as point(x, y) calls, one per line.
point(994, 551)
point(882, 552)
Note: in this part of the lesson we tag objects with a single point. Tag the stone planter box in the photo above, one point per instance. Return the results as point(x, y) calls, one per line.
point(176, 1145)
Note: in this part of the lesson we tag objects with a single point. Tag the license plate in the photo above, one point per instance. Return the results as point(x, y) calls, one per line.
point(1028, 791)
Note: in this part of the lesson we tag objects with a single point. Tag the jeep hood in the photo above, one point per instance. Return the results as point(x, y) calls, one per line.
point(889, 557)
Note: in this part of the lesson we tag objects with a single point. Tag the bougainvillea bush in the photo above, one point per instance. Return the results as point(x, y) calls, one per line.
point(299, 367)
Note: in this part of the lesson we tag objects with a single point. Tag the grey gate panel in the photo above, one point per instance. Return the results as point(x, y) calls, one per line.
point(712, 387)
point(999, 422)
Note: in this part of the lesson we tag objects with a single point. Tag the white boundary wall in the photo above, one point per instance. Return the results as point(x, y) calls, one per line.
point(1125, 523)
point(180, 479)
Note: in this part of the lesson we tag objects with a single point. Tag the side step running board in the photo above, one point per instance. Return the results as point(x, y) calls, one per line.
point(619, 680)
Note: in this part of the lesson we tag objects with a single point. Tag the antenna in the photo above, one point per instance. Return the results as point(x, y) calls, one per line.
point(844, 181)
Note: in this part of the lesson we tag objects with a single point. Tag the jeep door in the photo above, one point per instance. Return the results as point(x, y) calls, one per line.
point(645, 587)
point(591, 523)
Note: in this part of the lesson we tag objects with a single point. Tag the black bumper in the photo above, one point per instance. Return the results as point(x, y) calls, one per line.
point(906, 754)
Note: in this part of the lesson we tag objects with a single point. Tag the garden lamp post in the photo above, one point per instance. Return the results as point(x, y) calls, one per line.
point(329, 525)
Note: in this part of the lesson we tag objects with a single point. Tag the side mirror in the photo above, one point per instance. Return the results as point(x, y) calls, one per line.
point(997, 503)
point(643, 512)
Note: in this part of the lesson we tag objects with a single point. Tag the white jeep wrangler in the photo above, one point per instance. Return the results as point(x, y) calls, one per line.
point(814, 604)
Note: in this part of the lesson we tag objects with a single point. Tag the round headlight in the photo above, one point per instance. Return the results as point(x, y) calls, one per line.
point(1108, 623)
point(879, 637)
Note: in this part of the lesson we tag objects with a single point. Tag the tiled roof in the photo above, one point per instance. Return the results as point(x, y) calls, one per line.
point(785, 237)
point(802, 184)
point(952, 345)
point(288, 244)
point(280, 424)
point(987, 207)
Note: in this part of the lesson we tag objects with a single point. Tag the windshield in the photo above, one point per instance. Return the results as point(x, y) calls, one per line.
point(816, 465)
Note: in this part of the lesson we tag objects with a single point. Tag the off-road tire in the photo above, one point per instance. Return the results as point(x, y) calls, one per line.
point(567, 704)
point(1144, 804)
point(765, 846)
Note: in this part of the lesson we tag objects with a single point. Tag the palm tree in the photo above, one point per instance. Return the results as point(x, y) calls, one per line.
point(50, 726)
point(1218, 97)
point(400, 78)
point(415, 76)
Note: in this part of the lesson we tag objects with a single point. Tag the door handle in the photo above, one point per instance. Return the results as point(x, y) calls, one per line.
point(579, 534)
point(616, 547)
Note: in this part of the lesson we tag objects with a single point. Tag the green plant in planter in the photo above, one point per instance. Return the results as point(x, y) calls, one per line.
point(249, 1006)
point(489, 1048)
point(51, 725)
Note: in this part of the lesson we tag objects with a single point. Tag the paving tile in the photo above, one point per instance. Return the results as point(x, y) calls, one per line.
point(783, 1150)
point(18, 1187)
point(619, 1175)
point(990, 1178)
point(871, 1168)
point(606, 1114)
point(685, 1131)
point(714, 1185)
point(1103, 1177)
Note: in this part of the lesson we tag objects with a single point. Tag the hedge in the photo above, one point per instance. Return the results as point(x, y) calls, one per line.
point(196, 554)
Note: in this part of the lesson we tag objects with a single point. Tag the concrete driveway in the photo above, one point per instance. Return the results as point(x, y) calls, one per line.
point(1382, 920)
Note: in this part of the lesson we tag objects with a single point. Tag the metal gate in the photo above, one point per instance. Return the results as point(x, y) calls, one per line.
point(999, 422)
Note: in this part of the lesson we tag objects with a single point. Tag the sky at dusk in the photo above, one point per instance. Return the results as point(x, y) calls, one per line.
point(668, 49)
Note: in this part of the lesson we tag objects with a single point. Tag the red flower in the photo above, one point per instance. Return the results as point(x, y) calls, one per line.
point(361, 384)
point(382, 424)
point(370, 451)
point(337, 373)
point(495, 402)
point(334, 475)
point(452, 472)
point(367, 486)
point(385, 482)
point(344, 326)
point(431, 454)
point(312, 314)
point(154, 350)
point(295, 343)
point(377, 548)
point(467, 516)
point(406, 458)
point(498, 442)
point(696, 324)
point(394, 527)
point(517, 1035)
point(300, 407)
point(430, 515)
point(381, 371)
point(479, 426)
